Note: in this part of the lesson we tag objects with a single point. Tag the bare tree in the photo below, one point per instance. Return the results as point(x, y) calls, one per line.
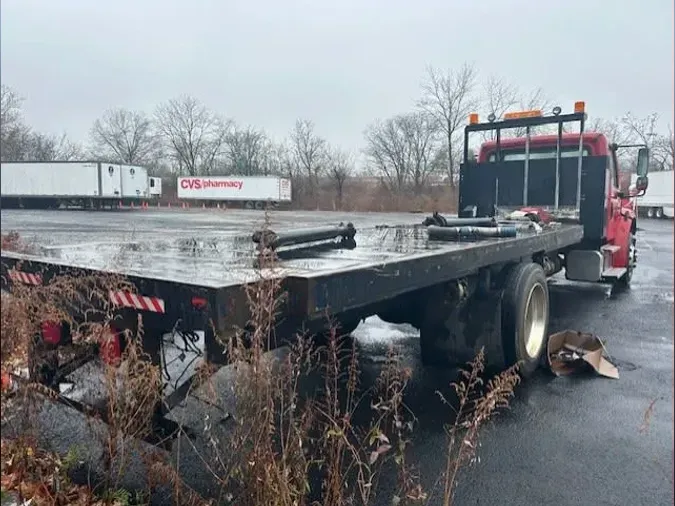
point(340, 167)
point(10, 107)
point(48, 148)
point(246, 151)
point(449, 99)
point(665, 149)
point(499, 97)
point(403, 149)
point(279, 160)
point(194, 135)
point(309, 151)
point(14, 134)
point(124, 136)
point(533, 100)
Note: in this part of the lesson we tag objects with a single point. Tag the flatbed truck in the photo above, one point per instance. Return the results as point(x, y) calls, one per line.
point(528, 208)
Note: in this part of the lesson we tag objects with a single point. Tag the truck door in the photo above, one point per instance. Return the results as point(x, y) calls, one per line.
point(618, 226)
point(111, 180)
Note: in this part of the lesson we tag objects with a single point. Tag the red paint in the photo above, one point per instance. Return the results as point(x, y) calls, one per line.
point(51, 332)
point(196, 183)
point(595, 143)
point(135, 301)
point(544, 217)
point(199, 302)
point(621, 209)
point(111, 346)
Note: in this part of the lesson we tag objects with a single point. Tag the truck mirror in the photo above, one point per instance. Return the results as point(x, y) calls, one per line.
point(641, 184)
point(642, 162)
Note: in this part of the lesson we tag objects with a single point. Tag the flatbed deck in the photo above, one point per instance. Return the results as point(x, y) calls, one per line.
point(225, 259)
point(387, 261)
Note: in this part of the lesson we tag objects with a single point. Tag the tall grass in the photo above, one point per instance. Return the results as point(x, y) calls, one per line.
point(288, 444)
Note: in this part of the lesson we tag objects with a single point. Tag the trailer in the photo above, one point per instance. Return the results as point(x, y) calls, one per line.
point(528, 210)
point(88, 184)
point(251, 192)
point(659, 199)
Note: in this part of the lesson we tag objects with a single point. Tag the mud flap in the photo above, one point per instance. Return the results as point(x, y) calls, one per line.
point(468, 327)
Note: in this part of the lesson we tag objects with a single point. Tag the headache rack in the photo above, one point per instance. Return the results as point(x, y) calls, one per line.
point(565, 201)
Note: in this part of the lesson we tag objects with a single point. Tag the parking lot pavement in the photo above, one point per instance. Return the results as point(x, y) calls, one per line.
point(575, 440)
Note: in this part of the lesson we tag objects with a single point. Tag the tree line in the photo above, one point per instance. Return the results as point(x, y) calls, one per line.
point(405, 152)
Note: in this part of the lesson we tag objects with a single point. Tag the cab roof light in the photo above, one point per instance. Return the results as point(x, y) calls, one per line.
point(579, 106)
point(473, 118)
point(534, 113)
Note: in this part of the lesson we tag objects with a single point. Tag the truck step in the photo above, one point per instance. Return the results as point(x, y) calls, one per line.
point(614, 272)
point(611, 248)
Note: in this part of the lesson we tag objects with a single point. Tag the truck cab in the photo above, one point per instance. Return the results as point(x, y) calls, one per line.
point(620, 207)
point(568, 177)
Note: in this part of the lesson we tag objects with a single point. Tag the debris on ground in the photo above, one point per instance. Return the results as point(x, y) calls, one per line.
point(570, 352)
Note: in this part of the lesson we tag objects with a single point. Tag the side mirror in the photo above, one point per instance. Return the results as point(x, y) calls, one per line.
point(643, 163)
point(641, 184)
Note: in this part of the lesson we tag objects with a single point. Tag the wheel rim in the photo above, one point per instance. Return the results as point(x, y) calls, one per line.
point(659, 213)
point(535, 320)
point(650, 213)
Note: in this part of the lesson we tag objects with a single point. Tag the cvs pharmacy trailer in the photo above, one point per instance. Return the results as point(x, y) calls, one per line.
point(88, 184)
point(250, 192)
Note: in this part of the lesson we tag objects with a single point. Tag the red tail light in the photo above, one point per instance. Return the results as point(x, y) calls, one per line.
point(111, 346)
point(51, 332)
point(199, 302)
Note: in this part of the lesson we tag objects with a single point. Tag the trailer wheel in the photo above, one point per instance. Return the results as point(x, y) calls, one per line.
point(650, 212)
point(525, 316)
point(658, 212)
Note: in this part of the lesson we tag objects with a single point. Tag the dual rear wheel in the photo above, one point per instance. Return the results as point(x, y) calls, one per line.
point(523, 315)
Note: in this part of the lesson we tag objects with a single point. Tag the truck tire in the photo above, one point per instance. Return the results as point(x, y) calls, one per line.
point(658, 213)
point(624, 281)
point(650, 212)
point(525, 317)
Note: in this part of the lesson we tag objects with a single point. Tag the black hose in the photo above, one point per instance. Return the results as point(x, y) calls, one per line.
point(453, 233)
point(273, 240)
point(441, 221)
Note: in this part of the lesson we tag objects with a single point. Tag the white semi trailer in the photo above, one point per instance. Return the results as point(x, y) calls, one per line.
point(89, 184)
point(247, 191)
point(659, 199)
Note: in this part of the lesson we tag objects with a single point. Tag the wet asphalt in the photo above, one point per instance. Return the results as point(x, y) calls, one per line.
point(577, 440)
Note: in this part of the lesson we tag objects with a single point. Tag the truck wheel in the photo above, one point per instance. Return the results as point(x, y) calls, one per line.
point(525, 316)
point(624, 281)
point(650, 212)
point(658, 213)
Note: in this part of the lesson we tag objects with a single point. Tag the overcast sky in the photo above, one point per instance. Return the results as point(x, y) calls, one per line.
point(340, 63)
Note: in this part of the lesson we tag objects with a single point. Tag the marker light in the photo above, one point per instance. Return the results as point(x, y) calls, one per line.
point(557, 110)
point(492, 117)
point(534, 113)
point(473, 118)
point(579, 106)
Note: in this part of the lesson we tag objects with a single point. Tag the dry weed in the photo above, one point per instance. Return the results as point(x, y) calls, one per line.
point(477, 403)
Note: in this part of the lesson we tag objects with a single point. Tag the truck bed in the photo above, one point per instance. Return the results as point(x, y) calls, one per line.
point(386, 261)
